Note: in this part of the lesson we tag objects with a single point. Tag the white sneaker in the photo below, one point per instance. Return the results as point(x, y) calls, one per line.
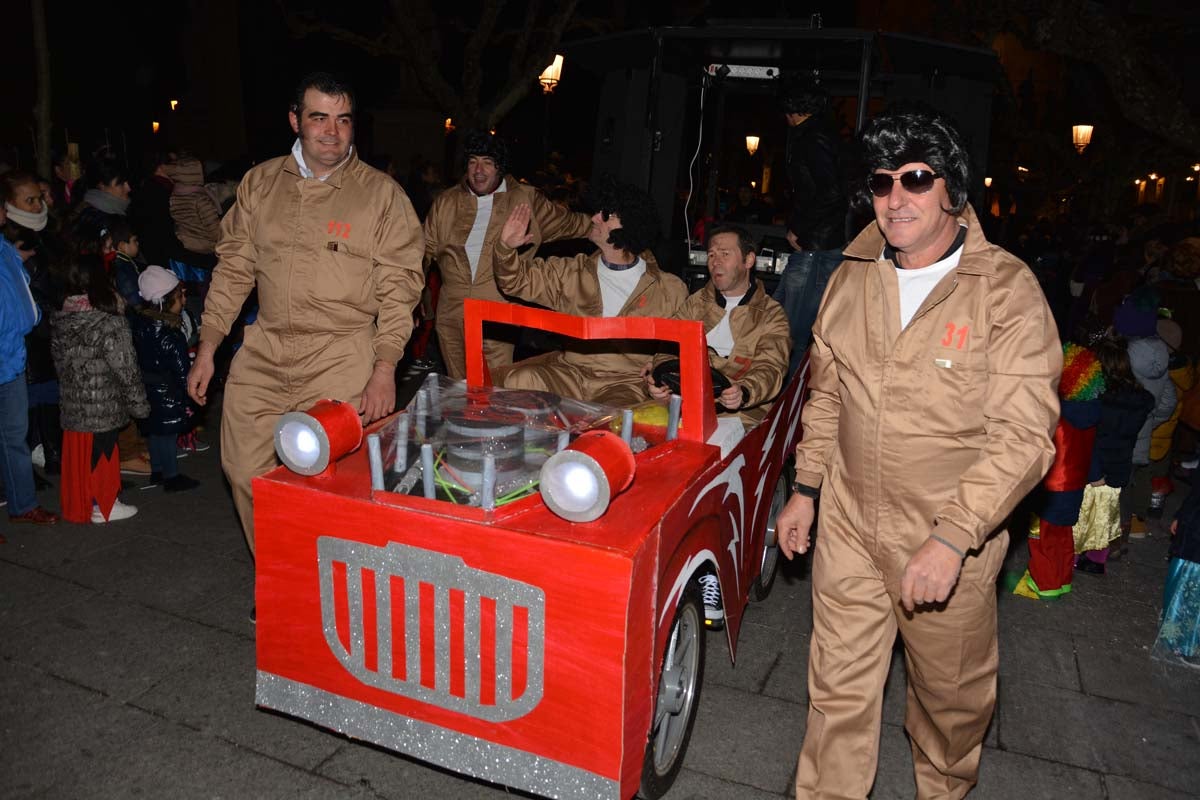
point(38, 454)
point(710, 589)
point(119, 511)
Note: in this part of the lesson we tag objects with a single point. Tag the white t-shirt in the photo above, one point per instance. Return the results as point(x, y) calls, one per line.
point(483, 215)
point(720, 338)
point(616, 285)
point(916, 284)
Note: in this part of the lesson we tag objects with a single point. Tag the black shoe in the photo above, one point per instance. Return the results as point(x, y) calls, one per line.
point(253, 615)
point(180, 483)
point(1085, 564)
point(154, 480)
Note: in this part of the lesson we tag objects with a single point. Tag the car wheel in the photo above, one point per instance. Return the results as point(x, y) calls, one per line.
point(678, 697)
point(761, 586)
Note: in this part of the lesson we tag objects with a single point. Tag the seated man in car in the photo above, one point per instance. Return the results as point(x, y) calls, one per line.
point(621, 279)
point(749, 340)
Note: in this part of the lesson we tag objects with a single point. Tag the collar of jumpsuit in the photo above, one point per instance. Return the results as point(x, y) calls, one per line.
point(298, 154)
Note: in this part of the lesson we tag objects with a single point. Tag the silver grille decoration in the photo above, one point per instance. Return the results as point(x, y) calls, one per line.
point(415, 566)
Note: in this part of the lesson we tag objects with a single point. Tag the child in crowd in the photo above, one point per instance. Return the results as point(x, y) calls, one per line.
point(100, 389)
point(1051, 538)
point(1179, 636)
point(1124, 407)
point(163, 357)
point(125, 267)
point(1149, 357)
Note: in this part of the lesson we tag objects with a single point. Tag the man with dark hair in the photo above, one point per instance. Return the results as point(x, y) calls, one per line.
point(816, 224)
point(746, 330)
point(460, 235)
point(621, 279)
point(934, 369)
point(334, 249)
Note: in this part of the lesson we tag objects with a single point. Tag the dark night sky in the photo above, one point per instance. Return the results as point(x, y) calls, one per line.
point(115, 66)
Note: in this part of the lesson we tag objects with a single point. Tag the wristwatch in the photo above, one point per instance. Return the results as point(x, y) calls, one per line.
point(806, 490)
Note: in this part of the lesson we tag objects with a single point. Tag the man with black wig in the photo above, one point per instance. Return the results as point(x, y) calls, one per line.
point(460, 234)
point(934, 369)
point(621, 279)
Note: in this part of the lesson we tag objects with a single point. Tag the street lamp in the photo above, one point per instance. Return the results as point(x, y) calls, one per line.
point(987, 182)
point(551, 75)
point(1081, 135)
point(752, 144)
point(154, 127)
point(174, 104)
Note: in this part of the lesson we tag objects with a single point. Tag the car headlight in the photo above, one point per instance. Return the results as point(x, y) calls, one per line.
point(309, 442)
point(578, 483)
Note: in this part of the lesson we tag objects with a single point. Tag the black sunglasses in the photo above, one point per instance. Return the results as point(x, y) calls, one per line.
point(917, 181)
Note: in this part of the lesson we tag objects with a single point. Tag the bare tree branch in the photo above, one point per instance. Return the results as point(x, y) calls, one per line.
point(472, 58)
point(418, 49)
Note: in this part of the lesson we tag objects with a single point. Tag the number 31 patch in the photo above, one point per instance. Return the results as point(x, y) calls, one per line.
point(956, 337)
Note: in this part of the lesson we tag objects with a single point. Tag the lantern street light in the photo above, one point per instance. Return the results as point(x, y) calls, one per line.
point(551, 75)
point(752, 144)
point(987, 182)
point(174, 104)
point(154, 127)
point(1081, 135)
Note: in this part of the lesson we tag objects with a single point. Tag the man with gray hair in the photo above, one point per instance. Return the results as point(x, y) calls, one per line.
point(934, 368)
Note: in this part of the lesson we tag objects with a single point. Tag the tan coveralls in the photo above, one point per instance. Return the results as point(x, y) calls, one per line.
point(337, 264)
point(762, 343)
point(937, 429)
point(602, 371)
point(446, 230)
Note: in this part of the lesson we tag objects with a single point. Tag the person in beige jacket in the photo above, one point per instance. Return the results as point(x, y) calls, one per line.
point(460, 235)
point(334, 249)
point(934, 370)
point(622, 279)
point(747, 331)
point(195, 213)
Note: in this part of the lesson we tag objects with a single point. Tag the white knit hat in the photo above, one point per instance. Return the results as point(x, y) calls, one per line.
point(155, 283)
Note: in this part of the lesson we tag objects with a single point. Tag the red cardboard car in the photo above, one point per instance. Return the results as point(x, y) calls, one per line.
point(506, 642)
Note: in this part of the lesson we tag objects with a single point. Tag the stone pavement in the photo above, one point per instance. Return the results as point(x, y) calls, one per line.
point(127, 669)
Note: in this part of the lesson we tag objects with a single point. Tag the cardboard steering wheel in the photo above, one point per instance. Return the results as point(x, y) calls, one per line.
point(667, 374)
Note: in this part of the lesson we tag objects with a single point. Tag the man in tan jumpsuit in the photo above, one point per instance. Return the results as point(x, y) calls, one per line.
point(622, 279)
point(935, 363)
point(334, 248)
point(460, 235)
point(747, 331)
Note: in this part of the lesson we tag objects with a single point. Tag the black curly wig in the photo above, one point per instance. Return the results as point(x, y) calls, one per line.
point(488, 145)
point(917, 134)
point(640, 229)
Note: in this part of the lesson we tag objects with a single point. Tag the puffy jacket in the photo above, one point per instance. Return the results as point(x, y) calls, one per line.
point(47, 249)
point(761, 343)
point(1149, 358)
point(163, 359)
point(1183, 375)
point(1123, 412)
point(195, 213)
point(18, 312)
point(333, 260)
point(99, 382)
point(946, 423)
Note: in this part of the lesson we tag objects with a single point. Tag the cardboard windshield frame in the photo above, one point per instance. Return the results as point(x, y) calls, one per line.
point(699, 418)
